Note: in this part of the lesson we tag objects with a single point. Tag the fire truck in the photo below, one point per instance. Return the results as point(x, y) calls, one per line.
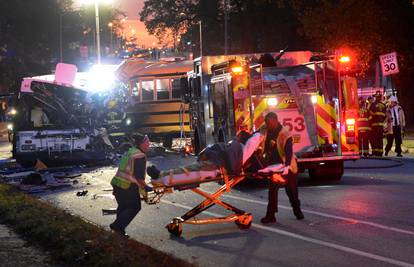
point(313, 100)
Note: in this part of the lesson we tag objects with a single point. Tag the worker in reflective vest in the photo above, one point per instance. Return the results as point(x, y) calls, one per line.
point(364, 128)
point(377, 113)
point(278, 148)
point(128, 181)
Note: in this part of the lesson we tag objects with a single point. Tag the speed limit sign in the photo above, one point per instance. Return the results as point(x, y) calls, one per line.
point(389, 64)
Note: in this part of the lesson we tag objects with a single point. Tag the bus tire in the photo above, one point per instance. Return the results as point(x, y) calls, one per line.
point(332, 171)
point(221, 136)
point(168, 142)
point(196, 142)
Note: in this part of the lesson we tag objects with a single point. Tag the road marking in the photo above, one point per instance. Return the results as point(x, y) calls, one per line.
point(403, 231)
point(309, 239)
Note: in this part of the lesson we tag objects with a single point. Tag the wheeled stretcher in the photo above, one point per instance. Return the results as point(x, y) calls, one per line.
point(192, 181)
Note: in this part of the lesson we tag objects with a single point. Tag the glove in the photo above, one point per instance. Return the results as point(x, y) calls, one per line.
point(153, 172)
point(148, 188)
point(285, 170)
point(143, 191)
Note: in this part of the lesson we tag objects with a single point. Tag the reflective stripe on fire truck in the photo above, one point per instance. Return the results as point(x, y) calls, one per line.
point(326, 121)
point(241, 103)
point(260, 106)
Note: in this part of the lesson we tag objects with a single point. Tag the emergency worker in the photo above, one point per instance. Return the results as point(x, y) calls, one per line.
point(395, 125)
point(278, 148)
point(364, 128)
point(370, 100)
point(377, 113)
point(127, 183)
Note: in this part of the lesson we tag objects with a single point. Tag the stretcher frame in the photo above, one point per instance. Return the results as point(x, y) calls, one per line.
point(241, 218)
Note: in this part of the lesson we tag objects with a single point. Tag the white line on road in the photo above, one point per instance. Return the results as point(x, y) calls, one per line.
point(308, 239)
point(403, 231)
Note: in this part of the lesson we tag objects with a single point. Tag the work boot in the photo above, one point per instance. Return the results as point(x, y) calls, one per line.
point(399, 155)
point(298, 213)
point(268, 219)
point(117, 230)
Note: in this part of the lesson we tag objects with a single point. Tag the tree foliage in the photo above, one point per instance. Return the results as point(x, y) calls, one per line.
point(369, 28)
point(253, 25)
point(30, 35)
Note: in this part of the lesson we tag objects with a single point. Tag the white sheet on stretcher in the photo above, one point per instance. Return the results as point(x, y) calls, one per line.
point(198, 177)
point(193, 177)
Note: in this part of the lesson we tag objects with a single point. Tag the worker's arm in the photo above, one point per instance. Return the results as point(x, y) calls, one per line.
point(139, 171)
point(289, 151)
point(288, 155)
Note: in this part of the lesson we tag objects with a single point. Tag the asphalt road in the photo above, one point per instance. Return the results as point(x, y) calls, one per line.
point(367, 219)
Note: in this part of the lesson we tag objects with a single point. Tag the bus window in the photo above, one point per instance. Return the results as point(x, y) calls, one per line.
point(147, 90)
point(163, 86)
point(135, 89)
point(176, 88)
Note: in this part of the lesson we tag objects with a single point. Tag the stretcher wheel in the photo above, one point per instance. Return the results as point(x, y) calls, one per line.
point(175, 227)
point(244, 222)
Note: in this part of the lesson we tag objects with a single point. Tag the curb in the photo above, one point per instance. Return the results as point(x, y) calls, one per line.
point(396, 163)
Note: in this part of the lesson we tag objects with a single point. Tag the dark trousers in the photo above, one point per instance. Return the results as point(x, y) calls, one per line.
point(129, 204)
point(396, 134)
point(363, 143)
point(377, 133)
point(291, 188)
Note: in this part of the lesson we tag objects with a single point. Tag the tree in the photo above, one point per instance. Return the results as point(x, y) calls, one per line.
point(29, 36)
point(253, 26)
point(370, 27)
point(168, 19)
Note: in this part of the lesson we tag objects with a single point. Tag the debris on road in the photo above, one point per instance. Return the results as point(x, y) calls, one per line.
point(109, 211)
point(82, 193)
point(96, 196)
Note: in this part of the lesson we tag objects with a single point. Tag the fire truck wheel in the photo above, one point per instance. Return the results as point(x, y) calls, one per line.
point(331, 171)
point(175, 228)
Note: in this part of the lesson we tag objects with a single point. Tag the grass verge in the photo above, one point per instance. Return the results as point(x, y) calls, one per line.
point(70, 239)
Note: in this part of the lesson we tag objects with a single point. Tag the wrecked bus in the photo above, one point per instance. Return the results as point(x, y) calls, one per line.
point(155, 98)
point(56, 123)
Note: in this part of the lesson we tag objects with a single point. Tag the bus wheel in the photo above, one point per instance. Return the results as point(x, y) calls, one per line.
point(196, 142)
point(10, 136)
point(221, 136)
point(332, 171)
point(168, 142)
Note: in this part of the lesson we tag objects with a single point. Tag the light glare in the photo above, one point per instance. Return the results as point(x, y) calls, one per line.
point(272, 102)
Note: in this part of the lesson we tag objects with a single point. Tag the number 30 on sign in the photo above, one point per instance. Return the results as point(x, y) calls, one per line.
point(389, 64)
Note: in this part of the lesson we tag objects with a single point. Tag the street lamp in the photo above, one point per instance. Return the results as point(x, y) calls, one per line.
point(98, 39)
point(110, 25)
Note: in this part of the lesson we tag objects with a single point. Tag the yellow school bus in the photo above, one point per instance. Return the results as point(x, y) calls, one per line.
point(156, 105)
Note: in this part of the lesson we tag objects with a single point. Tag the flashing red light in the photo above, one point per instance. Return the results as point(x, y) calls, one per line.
point(344, 59)
point(237, 69)
point(188, 149)
point(350, 121)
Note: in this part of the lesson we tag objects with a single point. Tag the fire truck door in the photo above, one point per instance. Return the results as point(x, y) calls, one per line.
point(220, 110)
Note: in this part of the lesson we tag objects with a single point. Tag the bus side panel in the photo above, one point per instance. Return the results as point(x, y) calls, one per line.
point(160, 117)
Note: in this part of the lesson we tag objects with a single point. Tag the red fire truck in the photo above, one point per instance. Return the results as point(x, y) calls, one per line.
point(313, 100)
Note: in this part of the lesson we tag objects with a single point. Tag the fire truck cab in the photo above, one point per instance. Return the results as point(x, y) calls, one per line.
point(229, 94)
